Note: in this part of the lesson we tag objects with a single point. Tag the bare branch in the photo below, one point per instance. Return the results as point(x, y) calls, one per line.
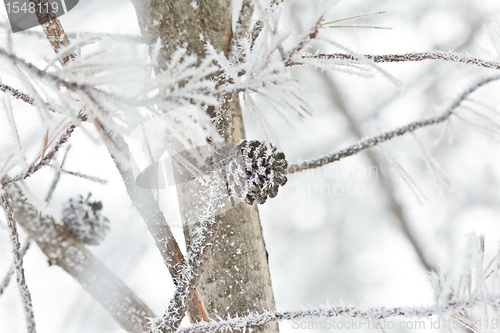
point(57, 176)
point(149, 210)
point(406, 57)
point(18, 264)
point(79, 174)
point(375, 140)
point(16, 93)
point(6, 280)
point(374, 314)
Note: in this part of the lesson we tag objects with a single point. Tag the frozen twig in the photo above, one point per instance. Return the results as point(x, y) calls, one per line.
point(18, 264)
point(375, 140)
point(16, 93)
point(406, 57)
point(374, 314)
point(53, 30)
point(57, 176)
point(244, 18)
point(6, 280)
point(78, 174)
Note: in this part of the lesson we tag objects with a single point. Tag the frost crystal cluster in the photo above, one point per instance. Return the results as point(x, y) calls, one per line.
point(256, 171)
point(83, 219)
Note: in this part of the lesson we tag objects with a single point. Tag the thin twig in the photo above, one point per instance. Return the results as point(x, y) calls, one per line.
point(18, 264)
point(406, 57)
point(53, 30)
point(190, 272)
point(373, 141)
point(16, 93)
point(6, 280)
point(78, 174)
point(57, 176)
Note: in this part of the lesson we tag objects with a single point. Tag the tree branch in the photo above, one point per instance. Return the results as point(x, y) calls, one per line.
point(18, 264)
point(190, 271)
point(6, 280)
point(374, 314)
point(16, 93)
point(406, 57)
point(376, 140)
point(149, 210)
point(45, 159)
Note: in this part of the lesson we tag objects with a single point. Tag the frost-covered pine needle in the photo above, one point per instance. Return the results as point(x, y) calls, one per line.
point(405, 176)
point(374, 314)
point(439, 176)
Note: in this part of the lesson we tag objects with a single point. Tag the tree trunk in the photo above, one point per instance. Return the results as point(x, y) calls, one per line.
point(235, 279)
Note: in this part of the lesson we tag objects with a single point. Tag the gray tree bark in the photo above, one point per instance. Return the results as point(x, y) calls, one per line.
point(235, 279)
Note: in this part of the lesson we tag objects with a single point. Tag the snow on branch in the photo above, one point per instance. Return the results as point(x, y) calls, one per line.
point(376, 140)
point(406, 57)
point(6, 280)
point(6, 202)
point(16, 93)
point(44, 160)
point(375, 314)
point(188, 276)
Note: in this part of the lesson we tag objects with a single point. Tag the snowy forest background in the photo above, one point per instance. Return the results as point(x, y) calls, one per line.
point(333, 233)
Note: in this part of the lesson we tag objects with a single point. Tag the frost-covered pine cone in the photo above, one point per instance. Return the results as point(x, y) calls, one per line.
point(83, 219)
point(255, 171)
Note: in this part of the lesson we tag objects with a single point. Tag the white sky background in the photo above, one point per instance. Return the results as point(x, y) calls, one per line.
point(323, 245)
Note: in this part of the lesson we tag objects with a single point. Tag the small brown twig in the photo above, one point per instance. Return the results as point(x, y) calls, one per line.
point(6, 280)
point(16, 93)
point(45, 159)
point(53, 29)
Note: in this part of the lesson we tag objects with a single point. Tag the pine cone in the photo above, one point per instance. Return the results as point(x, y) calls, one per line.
point(83, 219)
point(255, 171)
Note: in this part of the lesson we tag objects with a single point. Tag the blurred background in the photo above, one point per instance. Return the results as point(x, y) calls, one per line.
point(351, 232)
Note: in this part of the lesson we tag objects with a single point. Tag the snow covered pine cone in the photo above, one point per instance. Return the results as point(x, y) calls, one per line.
point(83, 219)
point(255, 171)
